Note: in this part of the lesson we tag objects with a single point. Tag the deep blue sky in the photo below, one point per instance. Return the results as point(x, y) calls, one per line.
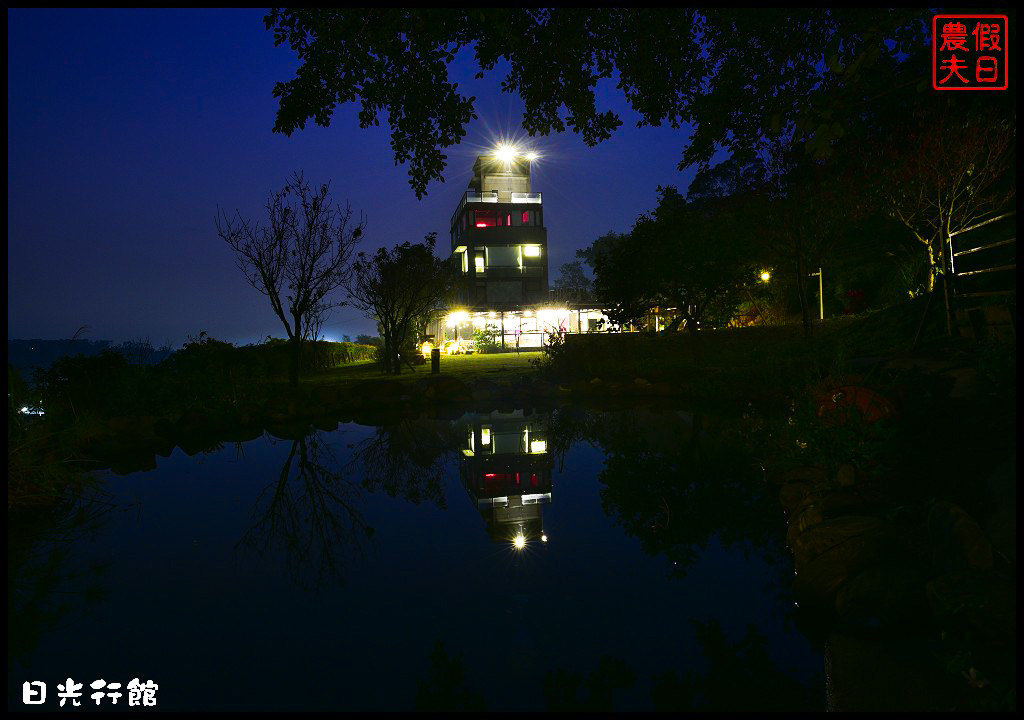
point(126, 129)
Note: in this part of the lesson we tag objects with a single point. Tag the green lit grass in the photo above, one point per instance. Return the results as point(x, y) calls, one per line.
point(496, 367)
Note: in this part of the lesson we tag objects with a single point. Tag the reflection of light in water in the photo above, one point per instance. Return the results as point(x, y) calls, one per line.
point(519, 542)
point(543, 538)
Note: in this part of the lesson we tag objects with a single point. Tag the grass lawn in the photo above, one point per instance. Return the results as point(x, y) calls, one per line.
point(497, 367)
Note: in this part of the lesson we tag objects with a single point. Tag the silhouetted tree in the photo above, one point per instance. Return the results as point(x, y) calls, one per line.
point(735, 77)
point(573, 281)
point(684, 255)
point(297, 261)
point(400, 288)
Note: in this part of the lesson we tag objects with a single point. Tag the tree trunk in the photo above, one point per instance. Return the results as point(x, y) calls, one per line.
point(295, 348)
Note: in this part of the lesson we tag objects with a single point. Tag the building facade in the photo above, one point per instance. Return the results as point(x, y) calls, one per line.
point(499, 243)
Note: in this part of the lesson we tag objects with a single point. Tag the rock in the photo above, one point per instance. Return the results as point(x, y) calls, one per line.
point(957, 541)
point(792, 494)
point(879, 674)
point(440, 388)
point(824, 536)
point(982, 601)
point(815, 508)
point(807, 474)
point(806, 515)
point(818, 579)
point(846, 476)
point(882, 596)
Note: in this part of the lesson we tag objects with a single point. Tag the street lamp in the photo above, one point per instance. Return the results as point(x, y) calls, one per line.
point(821, 295)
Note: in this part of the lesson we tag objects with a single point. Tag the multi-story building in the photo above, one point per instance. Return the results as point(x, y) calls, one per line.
point(499, 238)
point(500, 246)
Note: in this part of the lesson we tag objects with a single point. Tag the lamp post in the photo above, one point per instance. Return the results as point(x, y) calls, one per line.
point(821, 295)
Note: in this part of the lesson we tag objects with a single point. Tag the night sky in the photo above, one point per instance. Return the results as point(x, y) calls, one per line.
point(127, 128)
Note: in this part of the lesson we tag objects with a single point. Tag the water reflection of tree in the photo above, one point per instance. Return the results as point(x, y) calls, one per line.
point(740, 677)
point(42, 588)
point(409, 458)
point(677, 481)
point(311, 512)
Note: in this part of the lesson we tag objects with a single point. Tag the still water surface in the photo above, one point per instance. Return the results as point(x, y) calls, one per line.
point(380, 568)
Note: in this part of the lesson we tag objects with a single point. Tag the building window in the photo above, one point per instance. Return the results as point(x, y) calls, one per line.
point(485, 218)
point(503, 256)
point(465, 262)
point(531, 251)
point(479, 261)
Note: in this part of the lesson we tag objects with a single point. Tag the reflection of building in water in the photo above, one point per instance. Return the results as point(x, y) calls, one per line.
point(506, 467)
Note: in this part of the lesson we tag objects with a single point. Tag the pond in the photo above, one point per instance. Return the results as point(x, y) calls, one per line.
point(526, 559)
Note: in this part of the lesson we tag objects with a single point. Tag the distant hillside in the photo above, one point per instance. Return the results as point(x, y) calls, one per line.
point(27, 355)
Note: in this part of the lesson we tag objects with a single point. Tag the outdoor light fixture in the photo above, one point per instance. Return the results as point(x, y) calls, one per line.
point(505, 153)
point(459, 316)
point(531, 156)
point(766, 276)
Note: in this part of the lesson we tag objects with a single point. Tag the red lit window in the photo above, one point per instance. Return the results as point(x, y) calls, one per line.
point(486, 218)
point(526, 217)
point(508, 220)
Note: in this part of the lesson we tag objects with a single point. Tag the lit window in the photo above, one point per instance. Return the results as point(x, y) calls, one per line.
point(526, 217)
point(465, 262)
point(531, 250)
point(479, 260)
point(486, 218)
point(508, 219)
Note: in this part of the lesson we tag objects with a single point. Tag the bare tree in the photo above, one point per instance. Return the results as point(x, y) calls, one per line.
point(299, 259)
point(945, 175)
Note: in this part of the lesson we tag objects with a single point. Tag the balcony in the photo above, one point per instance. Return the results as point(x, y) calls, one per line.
point(494, 196)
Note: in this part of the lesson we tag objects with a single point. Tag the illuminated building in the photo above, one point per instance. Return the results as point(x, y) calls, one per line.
point(500, 246)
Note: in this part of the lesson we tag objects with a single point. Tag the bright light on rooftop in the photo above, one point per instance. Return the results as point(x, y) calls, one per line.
point(505, 153)
point(531, 156)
